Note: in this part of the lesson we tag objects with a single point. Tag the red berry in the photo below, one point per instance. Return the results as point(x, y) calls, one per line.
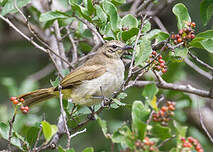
point(15, 102)
point(175, 42)
point(151, 148)
point(198, 147)
point(158, 68)
point(21, 100)
point(188, 23)
point(162, 113)
point(13, 98)
point(162, 65)
point(201, 150)
point(179, 40)
point(192, 36)
point(193, 24)
point(24, 111)
point(160, 57)
point(187, 144)
point(181, 32)
point(177, 36)
point(154, 52)
point(161, 61)
point(171, 107)
point(22, 108)
point(26, 108)
point(172, 36)
point(164, 108)
point(164, 70)
point(190, 139)
point(183, 139)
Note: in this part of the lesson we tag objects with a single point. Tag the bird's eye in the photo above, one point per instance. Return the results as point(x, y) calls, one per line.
point(114, 46)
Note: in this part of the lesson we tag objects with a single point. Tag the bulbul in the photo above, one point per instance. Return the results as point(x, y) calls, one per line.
point(99, 76)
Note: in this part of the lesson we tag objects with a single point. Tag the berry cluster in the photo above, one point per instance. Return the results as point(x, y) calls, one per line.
point(146, 145)
point(164, 114)
point(185, 35)
point(20, 101)
point(159, 63)
point(192, 144)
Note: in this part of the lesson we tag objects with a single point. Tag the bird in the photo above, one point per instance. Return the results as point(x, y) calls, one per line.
point(101, 75)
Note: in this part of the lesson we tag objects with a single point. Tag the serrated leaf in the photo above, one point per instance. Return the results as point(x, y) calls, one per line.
point(111, 10)
point(88, 149)
point(139, 117)
point(181, 12)
point(9, 7)
point(161, 132)
point(48, 130)
point(101, 14)
point(143, 51)
point(52, 15)
point(126, 35)
point(181, 52)
point(150, 91)
point(206, 11)
point(129, 21)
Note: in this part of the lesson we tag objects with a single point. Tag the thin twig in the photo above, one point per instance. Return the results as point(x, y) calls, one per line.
point(198, 69)
point(92, 28)
point(64, 117)
point(11, 122)
point(79, 132)
point(203, 124)
point(37, 139)
point(200, 61)
point(74, 50)
point(31, 40)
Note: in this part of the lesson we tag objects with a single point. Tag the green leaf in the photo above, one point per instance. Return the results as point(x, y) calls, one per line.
point(182, 15)
point(146, 27)
point(60, 149)
point(88, 149)
point(150, 91)
point(4, 130)
point(122, 95)
point(152, 34)
point(162, 36)
point(161, 132)
point(206, 10)
point(118, 102)
point(48, 130)
point(32, 135)
point(89, 6)
point(143, 51)
point(181, 52)
point(111, 10)
point(56, 82)
point(101, 14)
point(83, 11)
point(126, 35)
point(118, 2)
point(139, 117)
point(3, 2)
point(208, 45)
point(103, 125)
point(129, 21)
point(9, 7)
point(206, 34)
point(52, 15)
point(123, 136)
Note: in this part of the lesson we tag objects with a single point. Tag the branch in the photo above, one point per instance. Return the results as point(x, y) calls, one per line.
point(177, 87)
point(201, 62)
point(197, 69)
point(11, 122)
point(92, 28)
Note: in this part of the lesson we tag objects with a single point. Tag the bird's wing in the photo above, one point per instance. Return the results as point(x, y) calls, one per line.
point(81, 74)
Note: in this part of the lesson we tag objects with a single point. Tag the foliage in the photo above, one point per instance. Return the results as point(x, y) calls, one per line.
point(142, 133)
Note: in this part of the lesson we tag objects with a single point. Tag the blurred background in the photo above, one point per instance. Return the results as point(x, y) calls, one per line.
point(24, 68)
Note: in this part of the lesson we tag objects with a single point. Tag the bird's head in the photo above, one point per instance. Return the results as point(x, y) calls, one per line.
point(114, 48)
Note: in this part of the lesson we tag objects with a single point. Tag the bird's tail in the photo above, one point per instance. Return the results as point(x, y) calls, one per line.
point(37, 96)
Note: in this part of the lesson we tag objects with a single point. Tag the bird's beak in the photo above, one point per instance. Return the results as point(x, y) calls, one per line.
point(127, 47)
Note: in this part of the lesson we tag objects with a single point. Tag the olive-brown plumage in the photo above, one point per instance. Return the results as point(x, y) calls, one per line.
point(104, 71)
